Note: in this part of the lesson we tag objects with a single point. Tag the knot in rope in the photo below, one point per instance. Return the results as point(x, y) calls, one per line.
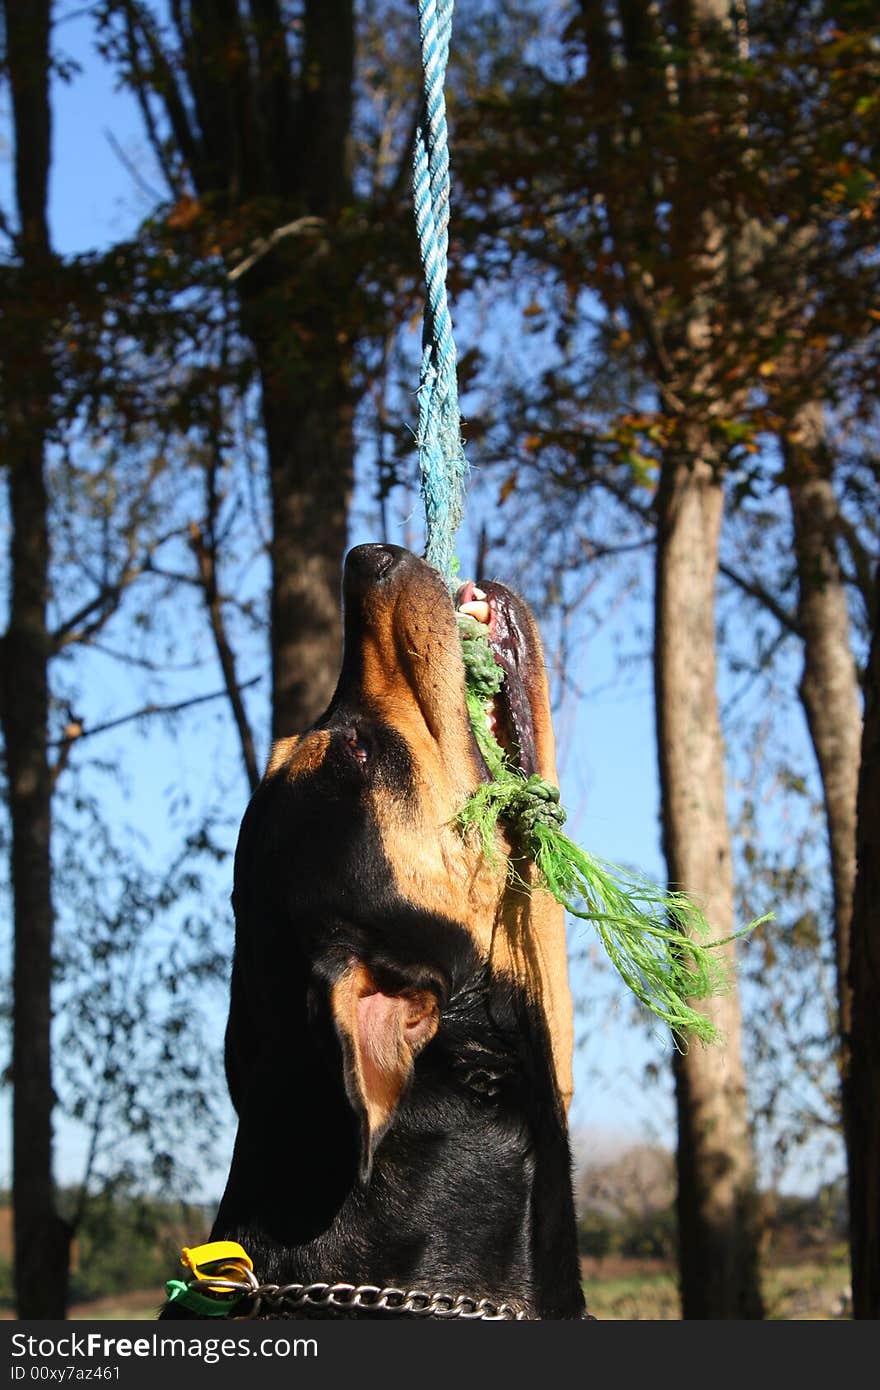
point(534, 802)
point(442, 462)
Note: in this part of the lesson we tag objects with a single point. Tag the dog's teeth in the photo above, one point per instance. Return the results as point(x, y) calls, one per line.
point(478, 609)
point(477, 593)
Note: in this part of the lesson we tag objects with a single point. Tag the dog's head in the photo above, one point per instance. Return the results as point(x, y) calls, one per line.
point(351, 870)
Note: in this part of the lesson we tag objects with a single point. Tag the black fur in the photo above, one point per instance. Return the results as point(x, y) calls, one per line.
point(469, 1189)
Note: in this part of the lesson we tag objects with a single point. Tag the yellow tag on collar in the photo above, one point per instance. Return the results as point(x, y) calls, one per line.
point(223, 1258)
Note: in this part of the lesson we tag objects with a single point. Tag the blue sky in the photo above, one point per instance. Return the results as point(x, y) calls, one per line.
point(607, 755)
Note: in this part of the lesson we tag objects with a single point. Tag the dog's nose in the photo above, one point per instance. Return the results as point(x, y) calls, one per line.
point(367, 563)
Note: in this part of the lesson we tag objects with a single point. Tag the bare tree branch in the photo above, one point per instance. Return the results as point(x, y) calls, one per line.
point(104, 604)
point(75, 733)
point(194, 581)
point(106, 601)
point(206, 558)
point(139, 24)
point(132, 170)
point(264, 245)
point(754, 590)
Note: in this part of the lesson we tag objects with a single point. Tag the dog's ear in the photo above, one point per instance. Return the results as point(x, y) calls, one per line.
point(381, 1034)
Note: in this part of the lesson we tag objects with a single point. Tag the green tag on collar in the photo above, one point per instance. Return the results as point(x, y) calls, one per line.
point(185, 1296)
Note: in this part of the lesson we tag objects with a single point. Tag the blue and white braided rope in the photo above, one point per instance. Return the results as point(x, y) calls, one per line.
point(442, 462)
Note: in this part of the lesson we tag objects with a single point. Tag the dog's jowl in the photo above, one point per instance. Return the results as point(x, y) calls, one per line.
point(400, 1030)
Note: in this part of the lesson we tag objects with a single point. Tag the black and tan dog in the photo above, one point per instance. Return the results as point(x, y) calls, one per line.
point(400, 1031)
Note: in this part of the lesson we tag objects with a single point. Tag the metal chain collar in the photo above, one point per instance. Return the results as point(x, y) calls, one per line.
point(370, 1297)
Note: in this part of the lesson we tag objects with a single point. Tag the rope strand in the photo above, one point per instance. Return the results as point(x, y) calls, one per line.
point(442, 461)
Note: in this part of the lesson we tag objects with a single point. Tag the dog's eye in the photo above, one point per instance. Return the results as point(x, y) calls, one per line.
point(357, 746)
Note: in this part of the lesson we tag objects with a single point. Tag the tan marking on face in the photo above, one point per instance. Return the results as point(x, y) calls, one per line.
point(299, 754)
point(530, 944)
point(520, 933)
point(412, 676)
point(281, 752)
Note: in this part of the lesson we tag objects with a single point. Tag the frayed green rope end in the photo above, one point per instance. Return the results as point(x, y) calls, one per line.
point(658, 941)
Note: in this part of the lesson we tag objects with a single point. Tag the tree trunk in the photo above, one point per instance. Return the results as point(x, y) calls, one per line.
point(308, 416)
point(717, 1209)
point(41, 1237)
point(829, 685)
point(307, 402)
point(297, 301)
point(862, 1083)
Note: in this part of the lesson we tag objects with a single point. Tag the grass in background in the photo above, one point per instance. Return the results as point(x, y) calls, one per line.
point(815, 1289)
